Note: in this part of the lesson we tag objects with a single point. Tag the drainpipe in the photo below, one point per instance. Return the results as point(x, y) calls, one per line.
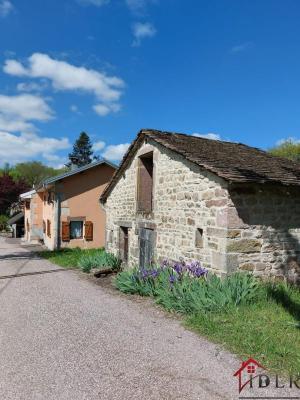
point(57, 214)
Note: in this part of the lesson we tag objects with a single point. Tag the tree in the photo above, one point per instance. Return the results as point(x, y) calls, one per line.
point(33, 172)
point(82, 153)
point(10, 191)
point(287, 149)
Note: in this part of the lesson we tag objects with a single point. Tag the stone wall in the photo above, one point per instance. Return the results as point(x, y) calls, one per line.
point(186, 198)
point(248, 227)
point(266, 230)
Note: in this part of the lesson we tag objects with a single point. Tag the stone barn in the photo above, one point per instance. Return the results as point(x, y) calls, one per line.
point(231, 206)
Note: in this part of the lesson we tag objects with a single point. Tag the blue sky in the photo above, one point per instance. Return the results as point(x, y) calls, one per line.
point(228, 69)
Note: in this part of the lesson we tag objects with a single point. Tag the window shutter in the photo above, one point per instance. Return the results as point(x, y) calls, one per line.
point(44, 227)
point(48, 228)
point(145, 183)
point(65, 231)
point(88, 230)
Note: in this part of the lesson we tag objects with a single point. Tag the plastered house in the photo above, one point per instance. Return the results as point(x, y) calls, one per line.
point(64, 211)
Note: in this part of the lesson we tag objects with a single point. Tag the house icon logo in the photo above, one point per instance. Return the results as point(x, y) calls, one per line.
point(247, 372)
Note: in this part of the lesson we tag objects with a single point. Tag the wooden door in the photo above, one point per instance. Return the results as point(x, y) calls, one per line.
point(146, 247)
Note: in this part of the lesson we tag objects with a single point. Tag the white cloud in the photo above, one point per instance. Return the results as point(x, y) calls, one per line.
point(15, 125)
point(6, 8)
point(31, 86)
point(115, 152)
point(241, 47)
point(141, 31)
point(213, 136)
point(17, 148)
point(97, 3)
point(25, 107)
point(287, 140)
point(138, 7)
point(97, 146)
point(67, 77)
point(74, 109)
point(105, 109)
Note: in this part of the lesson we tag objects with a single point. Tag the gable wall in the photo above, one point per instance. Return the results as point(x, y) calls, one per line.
point(79, 196)
point(185, 198)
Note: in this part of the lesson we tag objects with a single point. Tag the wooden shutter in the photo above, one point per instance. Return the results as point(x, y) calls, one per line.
point(88, 230)
point(48, 228)
point(44, 227)
point(145, 183)
point(65, 231)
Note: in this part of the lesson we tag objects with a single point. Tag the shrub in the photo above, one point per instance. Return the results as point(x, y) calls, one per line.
point(3, 222)
point(99, 260)
point(109, 260)
point(187, 288)
point(86, 263)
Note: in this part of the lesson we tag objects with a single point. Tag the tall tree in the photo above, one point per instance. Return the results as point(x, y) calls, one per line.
point(287, 149)
point(82, 153)
point(10, 191)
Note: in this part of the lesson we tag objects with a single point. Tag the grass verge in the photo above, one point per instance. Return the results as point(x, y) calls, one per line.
point(248, 317)
point(68, 258)
point(267, 331)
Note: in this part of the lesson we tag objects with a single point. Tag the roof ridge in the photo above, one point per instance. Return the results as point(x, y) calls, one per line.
point(149, 130)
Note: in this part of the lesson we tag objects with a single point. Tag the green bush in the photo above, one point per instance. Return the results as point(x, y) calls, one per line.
point(3, 222)
point(99, 260)
point(187, 294)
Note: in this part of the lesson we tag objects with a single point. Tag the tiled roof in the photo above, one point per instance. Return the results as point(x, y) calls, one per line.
point(234, 162)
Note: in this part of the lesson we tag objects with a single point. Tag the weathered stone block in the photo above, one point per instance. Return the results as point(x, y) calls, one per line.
point(216, 232)
point(260, 266)
point(216, 203)
point(247, 267)
point(244, 246)
point(233, 234)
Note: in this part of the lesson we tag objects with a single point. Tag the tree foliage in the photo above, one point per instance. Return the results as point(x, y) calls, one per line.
point(288, 149)
point(10, 191)
point(33, 172)
point(82, 153)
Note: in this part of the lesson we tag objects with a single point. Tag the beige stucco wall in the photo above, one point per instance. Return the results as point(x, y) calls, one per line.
point(33, 218)
point(80, 195)
point(48, 214)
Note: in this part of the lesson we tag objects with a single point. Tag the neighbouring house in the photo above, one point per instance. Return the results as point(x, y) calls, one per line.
point(231, 206)
point(32, 209)
point(64, 211)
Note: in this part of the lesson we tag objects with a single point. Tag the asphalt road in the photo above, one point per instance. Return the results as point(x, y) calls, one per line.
point(63, 337)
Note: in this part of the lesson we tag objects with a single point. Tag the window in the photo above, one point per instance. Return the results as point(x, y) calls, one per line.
point(76, 229)
point(251, 369)
point(27, 205)
point(145, 183)
point(199, 238)
point(44, 227)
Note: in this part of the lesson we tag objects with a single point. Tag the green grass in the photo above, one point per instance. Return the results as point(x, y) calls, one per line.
point(67, 258)
point(268, 330)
